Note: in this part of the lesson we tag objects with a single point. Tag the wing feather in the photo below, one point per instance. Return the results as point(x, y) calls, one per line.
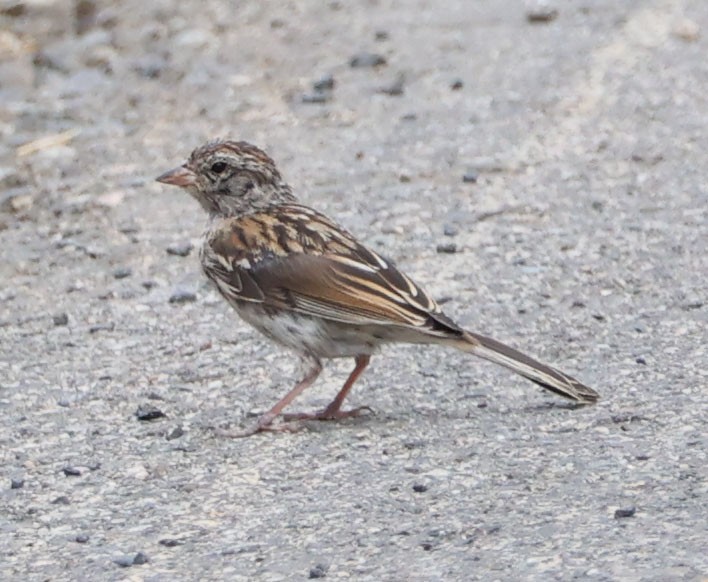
point(310, 265)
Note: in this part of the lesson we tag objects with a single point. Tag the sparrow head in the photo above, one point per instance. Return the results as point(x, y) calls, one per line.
point(230, 178)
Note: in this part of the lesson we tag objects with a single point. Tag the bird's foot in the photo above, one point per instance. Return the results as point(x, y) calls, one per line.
point(328, 414)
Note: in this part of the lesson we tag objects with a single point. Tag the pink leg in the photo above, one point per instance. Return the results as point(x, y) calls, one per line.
point(334, 409)
point(265, 422)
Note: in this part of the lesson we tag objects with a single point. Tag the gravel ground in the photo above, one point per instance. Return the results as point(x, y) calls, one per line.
point(546, 179)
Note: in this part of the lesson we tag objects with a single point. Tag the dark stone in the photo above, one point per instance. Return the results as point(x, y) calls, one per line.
point(427, 546)
point(71, 472)
point(456, 85)
point(541, 13)
point(62, 500)
point(450, 230)
point(598, 316)
point(124, 561)
point(139, 559)
point(641, 360)
point(81, 539)
point(102, 327)
point(420, 488)
point(182, 295)
point(625, 512)
point(381, 35)
point(318, 571)
point(482, 405)
point(13, 10)
point(316, 98)
point(447, 248)
point(147, 412)
point(324, 83)
point(175, 433)
point(470, 177)
point(60, 319)
point(364, 60)
point(395, 88)
point(170, 543)
point(149, 66)
point(122, 272)
point(149, 284)
point(181, 249)
point(85, 14)
point(578, 304)
point(17, 483)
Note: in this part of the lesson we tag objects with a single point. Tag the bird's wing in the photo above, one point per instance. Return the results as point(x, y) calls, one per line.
point(294, 258)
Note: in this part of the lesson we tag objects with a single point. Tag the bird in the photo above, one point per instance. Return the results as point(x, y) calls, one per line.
point(306, 283)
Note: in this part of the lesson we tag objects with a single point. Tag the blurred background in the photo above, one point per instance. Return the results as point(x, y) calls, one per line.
point(539, 166)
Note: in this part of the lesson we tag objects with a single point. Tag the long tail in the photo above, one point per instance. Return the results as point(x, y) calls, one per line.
point(543, 375)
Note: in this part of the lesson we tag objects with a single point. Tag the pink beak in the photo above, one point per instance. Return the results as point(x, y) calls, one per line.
point(181, 176)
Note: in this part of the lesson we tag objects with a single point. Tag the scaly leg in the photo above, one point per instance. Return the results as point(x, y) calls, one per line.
point(265, 422)
point(334, 409)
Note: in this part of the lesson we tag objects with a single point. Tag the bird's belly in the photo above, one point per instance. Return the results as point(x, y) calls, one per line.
point(304, 334)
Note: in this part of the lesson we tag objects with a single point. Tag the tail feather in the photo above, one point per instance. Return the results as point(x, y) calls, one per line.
point(543, 375)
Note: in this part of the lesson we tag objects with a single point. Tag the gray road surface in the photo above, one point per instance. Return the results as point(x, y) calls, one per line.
point(583, 240)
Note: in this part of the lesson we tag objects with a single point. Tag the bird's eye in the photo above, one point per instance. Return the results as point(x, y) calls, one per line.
point(218, 167)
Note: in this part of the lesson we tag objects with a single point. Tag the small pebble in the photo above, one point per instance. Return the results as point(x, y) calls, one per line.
point(450, 230)
point(122, 272)
point(456, 85)
point(381, 35)
point(149, 66)
point(395, 88)
point(364, 60)
point(687, 30)
point(324, 83)
point(61, 500)
point(625, 512)
point(181, 295)
point(71, 471)
point(81, 538)
point(420, 488)
point(147, 412)
point(140, 559)
point(181, 249)
point(170, 543)
point(175, 433)
point(446, 248)
point(318, 571)
point(470, 177)
point(17, 483)
point(317, 97)
point(641, 360)
point(60, 319)
point(101, 327)
point(541, 11)
point(149, 284)
point(124, 561)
